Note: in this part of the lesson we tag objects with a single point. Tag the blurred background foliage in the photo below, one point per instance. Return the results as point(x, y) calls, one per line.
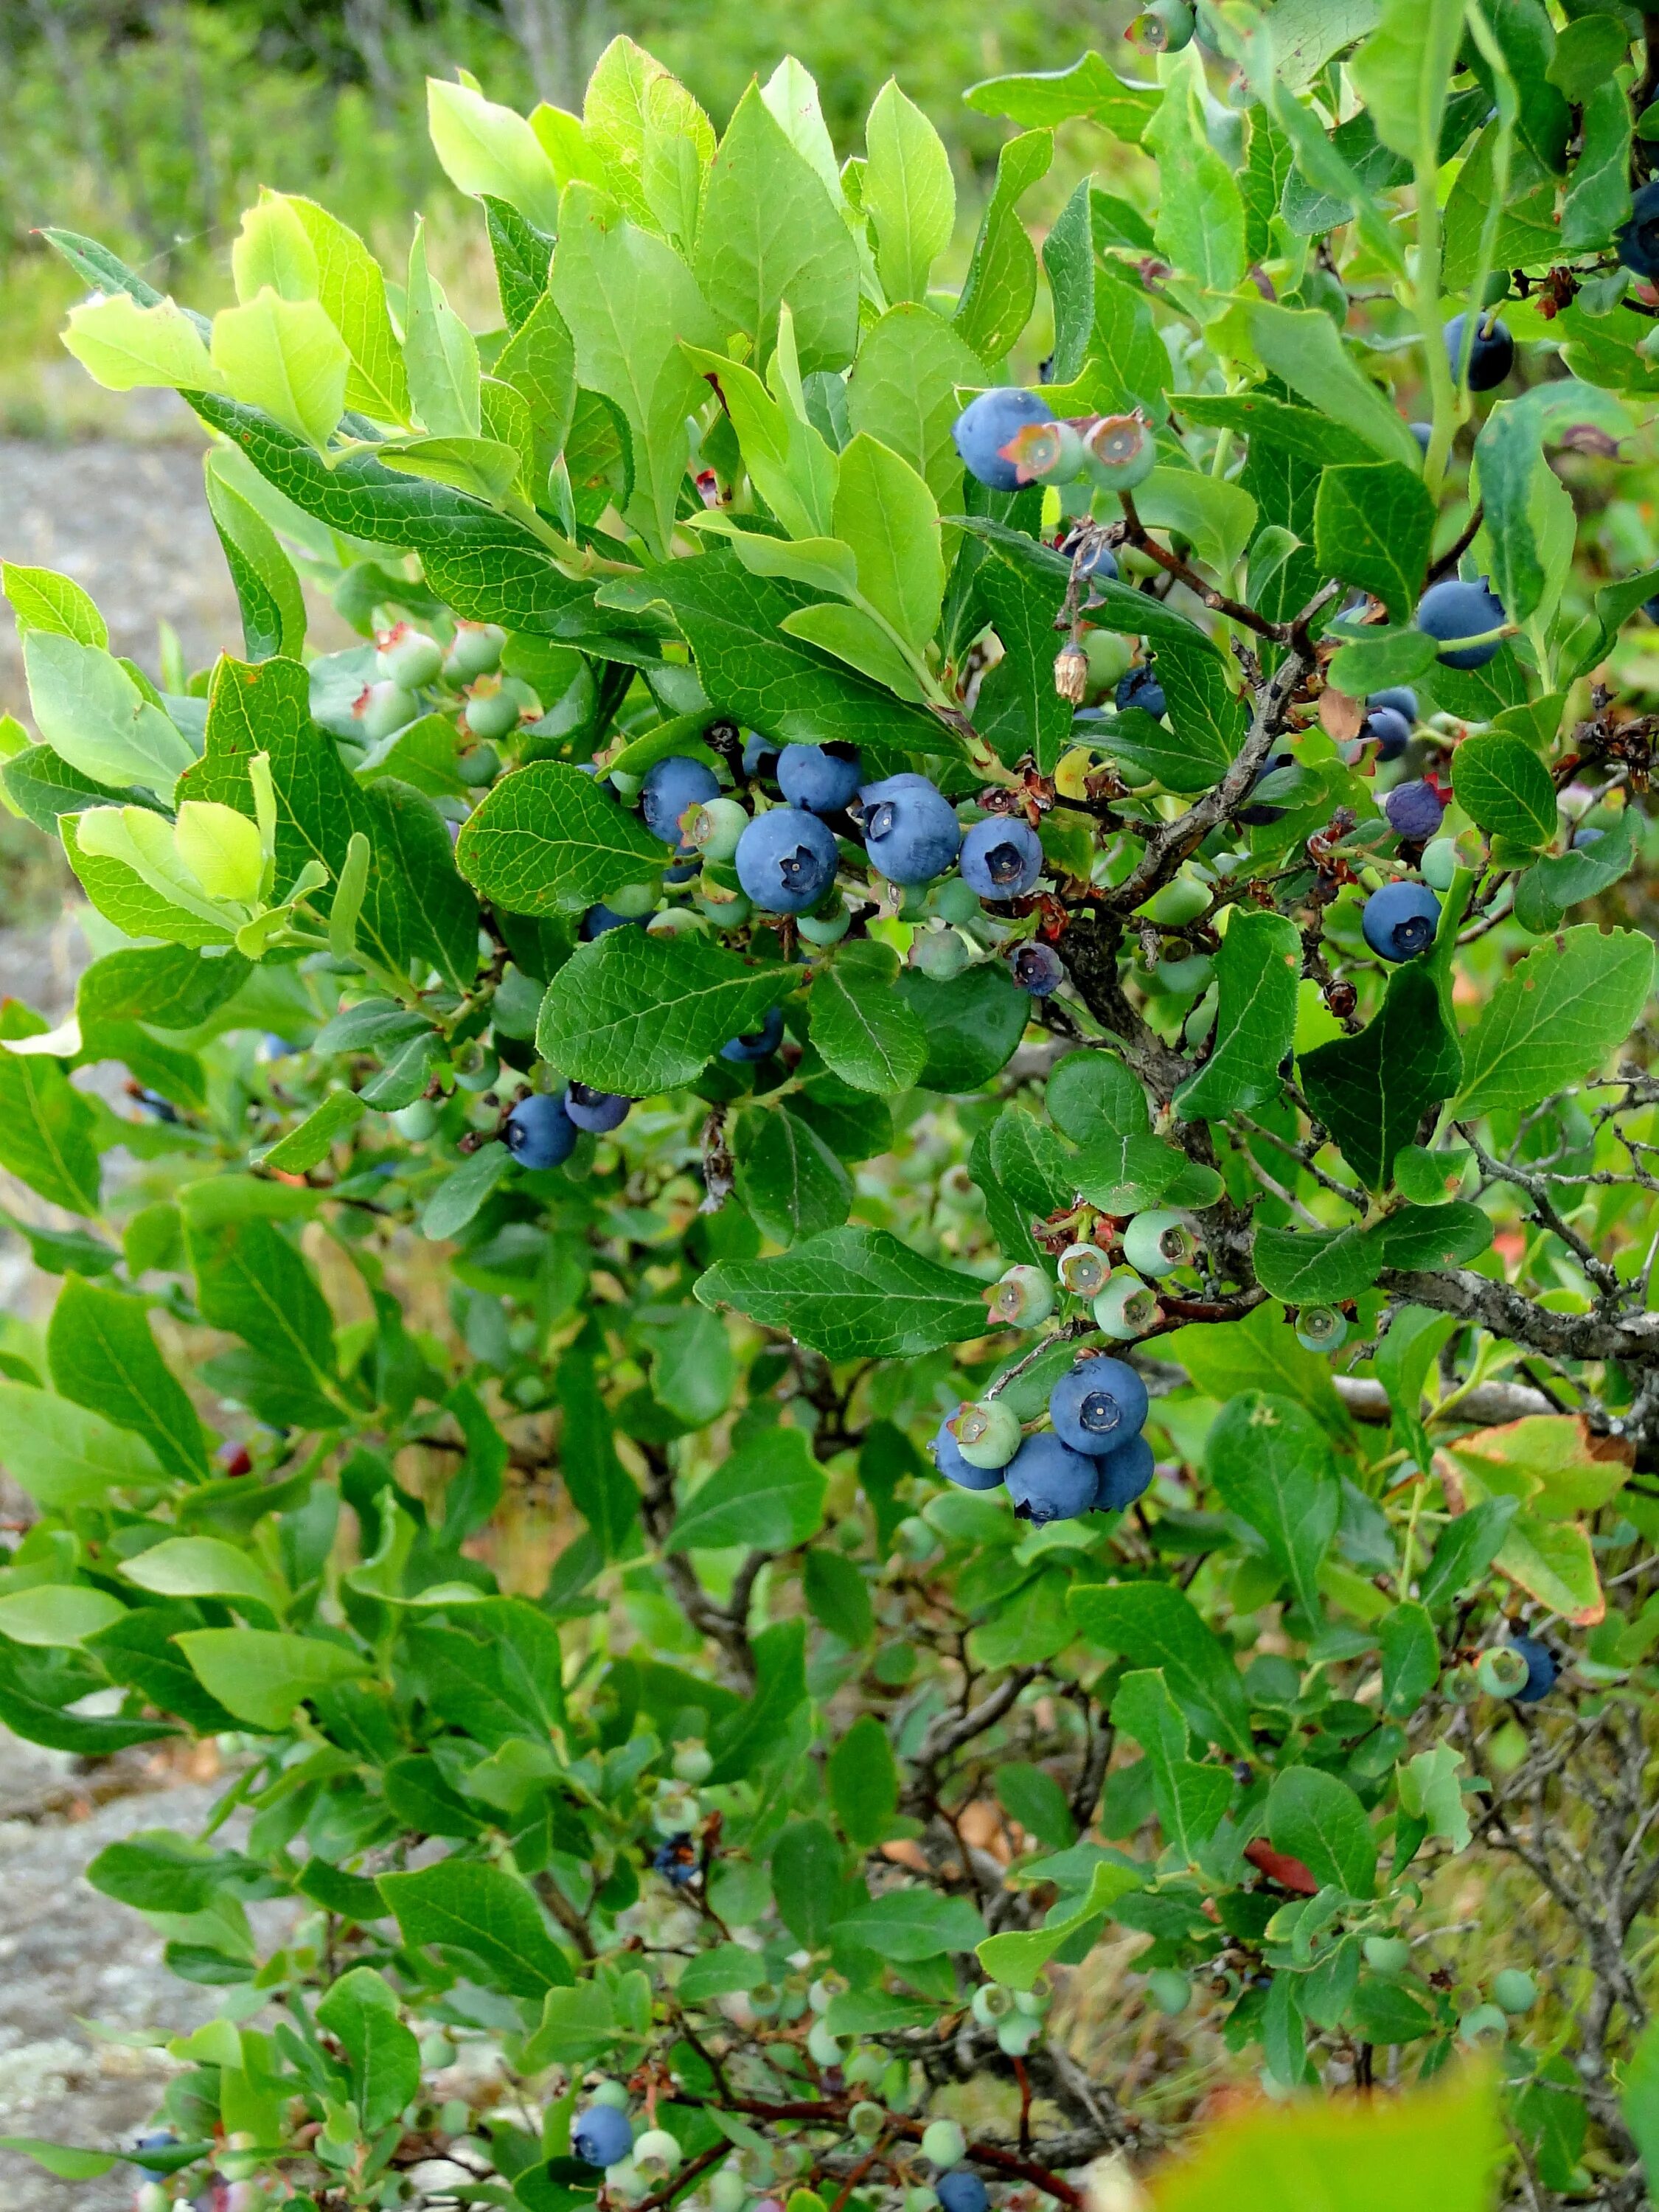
point(151, 123)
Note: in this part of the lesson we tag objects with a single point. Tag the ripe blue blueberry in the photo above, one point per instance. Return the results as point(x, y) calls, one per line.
point(1583, 838)
point(669, 788)
point(910, 829)
point(760, 755)
point(1399, 698)
point(1125, 1473)
point(1097, 1405)
point(676, 1859)
point(1491, 356)
point(1400, 920)
point(1388, 729)
point(1423, 432)
point(1414, 811)
point(1140, 688)
point(1542, 1669)
point(603, 2136)
point(597, 1110)
point(599, 918)
point(1098, 566)
point(821, 778)
point(1001, 859)
point(540, 1133)
point(1259, 816)
point(948, 1459)
point(987, 423)
point(785, 860)
point(1456, 610)
point(1049, 1482)
point(1639, 239)
point(961, 2191)
point(756, 1043)
point(1037, 968)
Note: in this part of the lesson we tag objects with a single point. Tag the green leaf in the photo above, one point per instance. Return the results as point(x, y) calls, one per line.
point(352, 291)
point(1598, 196)
point(809, 1879)
point(1316, 1818)
point(103, 1355)
point(637, 1014)
point(1271, 1463)
point(252, 1281)
point(46, 1125)
point(61, 2159)
point(42, 599)
point(837, 1596)
point(864, 1781)
point(753, 669)
point(628, 300)
point(1373, 526)
point(1030, 1163)
point(1190, 1798)
point(911, 1923)
point(1256, 973)
point(1547, 889)
point(384, 2055)
point(973, 1024)
point(600, 1487)
point(458, 1198)
point(1309, 1267)
point(1201, 216)
point(852, 1293)
point(550, 840)
point(717, 1973)
point(997, 299)
point(1156, 1627)
point(867, 1035)
point(1434, 1235)
point(267, 586)
point(286, 357)
point(1505, 789)
point(858, 639)
point(261, 1675)
point(767, 1722)
point(92, 714)
point(1018, 710)
point(309, 1143)
point(1372, 1092)
point(1216, 516)
point(54, 1613)
point(487, 1914)
point(486, 149)
point(205, 1566)
point(909, 192)
point(770, 236)
point(884, 511)
point(787, 1178)
point(1016, 1957)
point(65, 1455)
point(1404, 69)
point(1509, 453)
point(768, 1494)
point(1041, 98)
point(1372, 664)
point(1640, 2100)
point(1411, 1659)
point(1302, 346)
point(1554, 1017)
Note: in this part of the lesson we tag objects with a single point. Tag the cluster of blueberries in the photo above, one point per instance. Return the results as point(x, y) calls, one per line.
point(1093, 1460)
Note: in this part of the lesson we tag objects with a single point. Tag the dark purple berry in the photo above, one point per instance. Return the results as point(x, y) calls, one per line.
point(1036, 969)
point(1401, 920)
point(1414, 811)
point(599, 1111)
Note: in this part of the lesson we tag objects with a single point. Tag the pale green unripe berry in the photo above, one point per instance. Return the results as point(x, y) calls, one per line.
point(1018, 2033)
point(954, 901)
point(632, 900)
point(1024, 1297)
point(727, 2189)
point(1126, 1309)
point(1084, 1270)
point(866, 2067)
point(1388, 1954)
point(679, 922)
point(1485, 2024)
point(1514, 1990)
point(921, 2200)
point(1170, 1990)
point(1501, 1671)
point(827, 1988)
point(625, 2181)
point(822, 2047)
point(726, 909)
point(478, 765)
point(476, 650)
point(150, 2196)
point(866, 2120)
point(993, 2003)
point(940, 954)
point(987, 1431)
point(765, 1999)
point(1321, 1329)
point(408, 656)
point(476, 1068)
point(415, 1123)
point(1440, 863)
point(1032, 2003)
point(626, 787)
point(613, 2094)
point(916, 1538)
point(693, 1761)
point(944, 2143)
point(674, 1810)
point(713, 827)
point(379, 709)
point(491, 709)
point(1157, 1241)
point(825, 929)
point(656, 2153)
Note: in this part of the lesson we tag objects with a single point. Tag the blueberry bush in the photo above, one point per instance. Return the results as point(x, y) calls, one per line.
point(877, 1281)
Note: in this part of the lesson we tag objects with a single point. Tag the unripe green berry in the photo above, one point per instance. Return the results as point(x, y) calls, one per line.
point(824, 2047)
point(693, 1761)
point(993, 2003)
point(1157, 1241)
point(1033, 2002)
point(1018, 2033)
point(1084, 1270)
point(1485, 2024)
point(954, 901)
point(713, 827)
point(1321, 1329)
point(865, 2068)
point(491, 710)
point(1024, 1297)
point(632, 900)
point(1123, 452)
point(150, 2196)
point(1170, 1990)
point(1180, 902)
point(1514, 1989)
point(916, 1538)
point(476, 650)
point(379, 709)
point(1126, 1309)
point(478, 765)
point(765, 1999)
point(944, 2143)
point(922, 2199)
point(939, 953)
point(415, 1123)
point(656, 2153)
point(825, 929)
point(1388, 1954)
point(1501, 1671)
point(408, 656)
point(627, 788)
point(866, 2120)
point(827, 1988)
point(614, 2093)
point(727, 2189)
point(987, 1431)
point(1440, 863)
